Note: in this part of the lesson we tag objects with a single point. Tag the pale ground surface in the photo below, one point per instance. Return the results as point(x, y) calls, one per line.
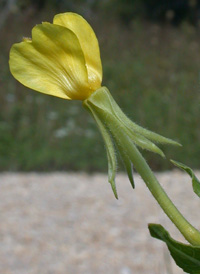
point(67, 223)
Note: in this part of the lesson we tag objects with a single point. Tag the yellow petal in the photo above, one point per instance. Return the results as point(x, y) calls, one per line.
point(52, 63)
point(88, 42)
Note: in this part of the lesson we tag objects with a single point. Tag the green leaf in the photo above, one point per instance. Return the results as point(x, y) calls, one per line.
point(112, 161)
point(195, 181)
point(186, 257)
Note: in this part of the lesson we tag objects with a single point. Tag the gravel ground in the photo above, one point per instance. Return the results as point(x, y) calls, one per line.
point(68, 223)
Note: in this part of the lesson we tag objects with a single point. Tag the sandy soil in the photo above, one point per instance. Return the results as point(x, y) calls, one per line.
point(67, 223)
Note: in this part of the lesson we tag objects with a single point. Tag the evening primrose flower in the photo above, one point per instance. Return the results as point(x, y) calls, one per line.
point(63, 59)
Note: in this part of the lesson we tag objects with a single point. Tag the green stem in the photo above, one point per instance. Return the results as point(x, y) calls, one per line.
point(191, 234)
point(107, 112)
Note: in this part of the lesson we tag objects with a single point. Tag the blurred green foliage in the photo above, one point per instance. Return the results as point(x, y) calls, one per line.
point(151, 70)
point(174, 11)
point(171, 11)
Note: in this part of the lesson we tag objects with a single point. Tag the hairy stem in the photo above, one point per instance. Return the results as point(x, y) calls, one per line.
point(191, 234)
point(101, 103)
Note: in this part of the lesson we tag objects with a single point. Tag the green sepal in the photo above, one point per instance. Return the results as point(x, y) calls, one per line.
point(124, 132)
point(112, 162)
point(106, 105)
point(195, 181)
point(121, 138)
point(127, 163)
point(111, 105)
point(143, 142)
point(186, 257)
point(153, 136)
point(118, 132)
point(138, 139)
point(132, 126)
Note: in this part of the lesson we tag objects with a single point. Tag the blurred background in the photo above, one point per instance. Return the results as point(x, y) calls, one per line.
point(151, 63)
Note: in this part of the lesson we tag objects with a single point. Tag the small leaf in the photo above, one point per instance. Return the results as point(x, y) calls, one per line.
point(186, 257)
point(195, 181)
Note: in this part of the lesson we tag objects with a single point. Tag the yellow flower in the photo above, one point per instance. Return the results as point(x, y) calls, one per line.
point(61, 59)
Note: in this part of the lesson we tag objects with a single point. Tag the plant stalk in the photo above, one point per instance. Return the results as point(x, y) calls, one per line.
point(191, 234)
point(119, 129)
